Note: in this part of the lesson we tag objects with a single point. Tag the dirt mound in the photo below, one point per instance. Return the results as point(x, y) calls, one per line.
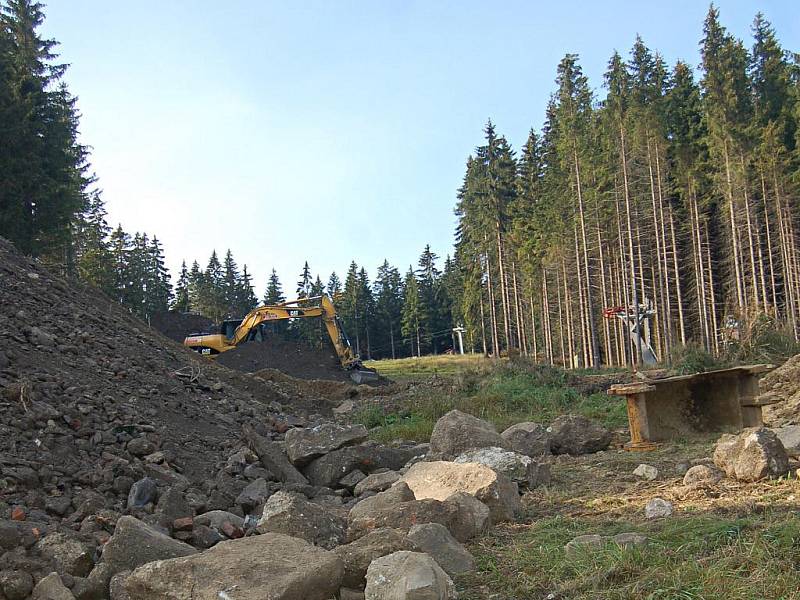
point(176, 325)
point(782, 386)
point(80, 377)
point(290, 357)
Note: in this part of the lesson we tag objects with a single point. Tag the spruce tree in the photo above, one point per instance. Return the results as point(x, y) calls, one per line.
point(181, 302)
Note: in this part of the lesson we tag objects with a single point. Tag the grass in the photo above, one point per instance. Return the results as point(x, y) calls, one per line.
point(502, 392)
point(736, 540)
point(691, 557)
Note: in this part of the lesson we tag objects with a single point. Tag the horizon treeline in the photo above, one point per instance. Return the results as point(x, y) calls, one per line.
point(670, 191)
point(394, 315)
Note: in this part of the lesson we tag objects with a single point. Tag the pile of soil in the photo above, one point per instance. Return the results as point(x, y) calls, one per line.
point(781, 387)
point(293, 358)
point(80, 377)
point(177, 325)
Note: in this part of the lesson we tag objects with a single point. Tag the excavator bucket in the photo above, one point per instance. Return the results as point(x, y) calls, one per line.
point(363, 375)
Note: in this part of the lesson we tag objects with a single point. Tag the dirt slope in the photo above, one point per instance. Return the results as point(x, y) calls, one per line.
point(79, 376)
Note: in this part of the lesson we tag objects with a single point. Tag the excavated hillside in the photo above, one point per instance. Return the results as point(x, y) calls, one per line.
point(80, 377)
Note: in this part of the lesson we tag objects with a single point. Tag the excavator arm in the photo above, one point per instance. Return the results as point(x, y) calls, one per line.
point(213, 344)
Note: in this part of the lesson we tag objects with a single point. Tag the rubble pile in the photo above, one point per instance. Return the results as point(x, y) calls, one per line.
point(780, 391)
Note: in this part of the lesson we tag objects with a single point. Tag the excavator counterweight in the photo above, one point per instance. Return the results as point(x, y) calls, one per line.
point(322, 307)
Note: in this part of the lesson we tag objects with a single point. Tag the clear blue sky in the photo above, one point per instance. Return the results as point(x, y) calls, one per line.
point(330, 131)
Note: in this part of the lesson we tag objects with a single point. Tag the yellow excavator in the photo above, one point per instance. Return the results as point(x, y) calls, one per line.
point(235, 332)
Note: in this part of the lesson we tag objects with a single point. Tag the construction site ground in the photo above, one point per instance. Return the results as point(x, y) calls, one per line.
point(80, 377)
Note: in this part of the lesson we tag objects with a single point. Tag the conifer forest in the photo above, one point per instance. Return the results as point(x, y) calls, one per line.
point(670, 186)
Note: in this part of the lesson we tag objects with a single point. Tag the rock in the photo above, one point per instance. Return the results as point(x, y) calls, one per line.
point(134, 543)
point(216, 519)
point(357, 556)
point(472, 516)
point(657, 508)
point(630, 540)
point(753, 454)
point(204, 537)
point(254, 494)
point(408, 576)
point(701, 476)
point(440, 480)
point(682, 467)
point(574, 434)
point(272, 457)
point(648, 472)
point(58, 505)
point(291, 514)
point(328, 470)
point(140, 446)
point(116, 587)
point(271, 566)
point(69, 555)
point(350, 593)
point(10, 536)
point(16, 585)
point(456, 432)
point(51, 588)
point(434, 539)
point(171, 506)
point(789, 435)
point(396, 507)
point(530, 439)
point(142, 492)
point(517, 467)
point(305, 444)
point(351, 480)
point(377, 482)
point(582, 543)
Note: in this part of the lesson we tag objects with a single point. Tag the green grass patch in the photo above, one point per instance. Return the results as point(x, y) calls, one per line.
point(503, 393)
point(696, 557)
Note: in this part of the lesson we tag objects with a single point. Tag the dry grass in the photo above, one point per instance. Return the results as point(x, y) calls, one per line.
point(732, 540)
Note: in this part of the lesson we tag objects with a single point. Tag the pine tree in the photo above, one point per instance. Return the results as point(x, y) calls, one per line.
point(274, 292)
point(231, 285)
point(181, 302)
point(413, 313)
point(45, 167)
point(388, 293)
point(334, 286)
point(245, 296)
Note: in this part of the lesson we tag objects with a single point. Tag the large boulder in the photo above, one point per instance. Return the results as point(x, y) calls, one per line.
point(408, 576)
point(272, 457)
point(456, 432)
point(357, 556)
point(517, 467)
point(291, 514)
point(328, 470)
point(305, 444)
point(436, 540)
point(440, 479)
point(135, 543)
point(574, 434)
point(530, 439)
point(271, 566)
point(751, 455)
point(396, 507)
